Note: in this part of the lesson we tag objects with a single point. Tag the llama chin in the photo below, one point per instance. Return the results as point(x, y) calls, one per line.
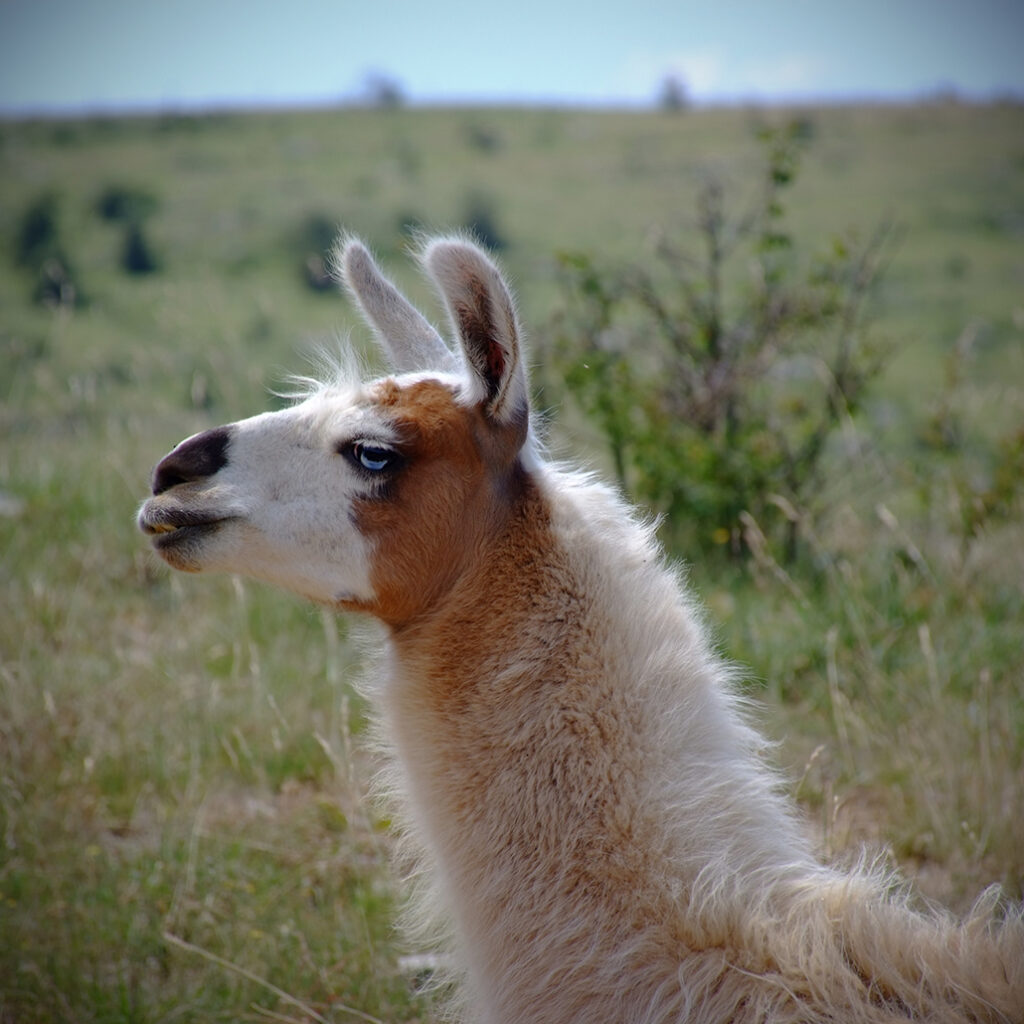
point(571, 757)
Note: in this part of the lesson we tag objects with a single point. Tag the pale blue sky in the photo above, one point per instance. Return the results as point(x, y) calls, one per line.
point(86, 55)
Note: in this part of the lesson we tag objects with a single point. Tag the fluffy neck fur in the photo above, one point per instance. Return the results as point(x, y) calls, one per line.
point(610, 845)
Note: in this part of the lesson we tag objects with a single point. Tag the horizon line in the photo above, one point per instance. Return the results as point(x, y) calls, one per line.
point(934, 96)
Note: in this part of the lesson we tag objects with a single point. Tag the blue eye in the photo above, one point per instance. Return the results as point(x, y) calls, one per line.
point(375, 459)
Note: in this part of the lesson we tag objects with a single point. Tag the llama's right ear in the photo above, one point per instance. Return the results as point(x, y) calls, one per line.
point(483, 316)
point(403, 332)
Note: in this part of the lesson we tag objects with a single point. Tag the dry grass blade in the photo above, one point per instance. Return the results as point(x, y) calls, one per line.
point(189, 947)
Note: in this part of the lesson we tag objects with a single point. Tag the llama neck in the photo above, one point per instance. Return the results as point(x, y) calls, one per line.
point(569, 745)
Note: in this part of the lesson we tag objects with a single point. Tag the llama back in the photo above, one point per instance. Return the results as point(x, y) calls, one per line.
point(760, 929)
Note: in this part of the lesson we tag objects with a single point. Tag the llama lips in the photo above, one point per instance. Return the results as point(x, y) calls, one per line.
point(165, 528)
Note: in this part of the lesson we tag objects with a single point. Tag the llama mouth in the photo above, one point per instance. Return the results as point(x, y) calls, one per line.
point(167, 529)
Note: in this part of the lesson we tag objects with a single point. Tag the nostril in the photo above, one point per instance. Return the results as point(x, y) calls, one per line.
point(198, 457)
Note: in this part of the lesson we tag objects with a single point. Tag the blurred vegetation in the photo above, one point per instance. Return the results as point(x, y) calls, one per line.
point(126, 203)
point(673, 94)
point(39, 251)
point(131, 206)
point(718, 379)
point(184, 825)
point(480, 219)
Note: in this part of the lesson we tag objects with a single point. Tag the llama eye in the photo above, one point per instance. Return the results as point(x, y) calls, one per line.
point(372, 457)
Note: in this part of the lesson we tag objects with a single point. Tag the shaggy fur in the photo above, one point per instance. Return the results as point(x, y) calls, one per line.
point(577, 774)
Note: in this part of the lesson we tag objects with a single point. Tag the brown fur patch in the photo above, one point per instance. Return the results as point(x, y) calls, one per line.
point(453, 492)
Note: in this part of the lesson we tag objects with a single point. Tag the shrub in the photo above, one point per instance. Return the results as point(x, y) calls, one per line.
point(986, 473)
point(125, 204)
point(480, 216)
point(130, 206)
point(137, 256)
point(484, 138)
point(718, 379)
point(673, 95)
point(37, 236)
point(382, 91)
point(311, 242)
point(38, 249)
point(55, 285)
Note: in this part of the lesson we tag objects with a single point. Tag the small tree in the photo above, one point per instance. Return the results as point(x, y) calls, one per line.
point(480, 217)
point(137, 256)
point(717, 378)
point(37, 238)
point(39, 250)
point(382, 91)
point(131, 207)
point(672, 94)
point(126, 204)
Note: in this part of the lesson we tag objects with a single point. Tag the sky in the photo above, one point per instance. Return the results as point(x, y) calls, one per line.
point(87, 56)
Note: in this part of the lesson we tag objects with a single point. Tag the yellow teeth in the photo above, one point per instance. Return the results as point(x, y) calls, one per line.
point(162, 528)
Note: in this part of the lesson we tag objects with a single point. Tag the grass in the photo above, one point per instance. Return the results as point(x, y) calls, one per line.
point(184, 828)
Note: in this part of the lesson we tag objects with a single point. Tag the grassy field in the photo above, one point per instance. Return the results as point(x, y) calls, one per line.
point(184, 829)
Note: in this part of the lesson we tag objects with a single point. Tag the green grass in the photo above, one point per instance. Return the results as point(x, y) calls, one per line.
point(184, 828)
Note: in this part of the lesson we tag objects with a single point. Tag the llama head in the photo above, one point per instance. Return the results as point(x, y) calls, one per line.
point(366, 495)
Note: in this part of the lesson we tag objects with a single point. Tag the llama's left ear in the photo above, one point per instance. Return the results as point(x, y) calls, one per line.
point(401, 329)
point(483, 316)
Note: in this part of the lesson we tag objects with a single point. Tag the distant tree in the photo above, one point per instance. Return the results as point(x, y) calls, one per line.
point(673, 94)
point(482, 137)
point(55, 285)
point(36, 239)
point(130, 206)
point(38, 249)
point(312, 241)
point(137, 256)
point(382, 91)
point(480, 216)
point(123, 203)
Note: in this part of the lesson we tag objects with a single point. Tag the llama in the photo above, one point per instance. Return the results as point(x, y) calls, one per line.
point(574, 762)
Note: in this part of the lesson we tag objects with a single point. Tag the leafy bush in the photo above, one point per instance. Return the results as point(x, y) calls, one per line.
point(55, 285)
point(673, 95)
point(130, 206)
point(312, 242)
point(382, 91)
point(480, 216)
point(485, 138)
point(125, 203)
point(37, 236)
point(137, 256)
point(987, 473)
point(38, 249)
point(718, 379)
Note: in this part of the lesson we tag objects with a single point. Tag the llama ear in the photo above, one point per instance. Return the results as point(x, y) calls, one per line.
point(484, 318)
point(403, 332)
